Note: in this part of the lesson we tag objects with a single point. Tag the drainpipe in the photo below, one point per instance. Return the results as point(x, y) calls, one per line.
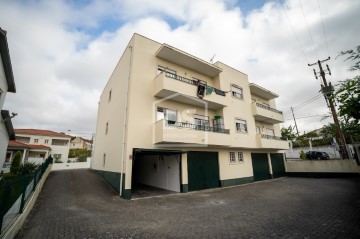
point(123, 157)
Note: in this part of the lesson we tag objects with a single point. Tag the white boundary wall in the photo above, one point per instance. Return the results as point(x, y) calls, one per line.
point(322, 166)
point(65, 166)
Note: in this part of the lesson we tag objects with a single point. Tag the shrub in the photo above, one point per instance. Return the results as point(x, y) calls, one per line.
point(16, 163)
point(302, 154)
point(82, 158)
point(27, 168)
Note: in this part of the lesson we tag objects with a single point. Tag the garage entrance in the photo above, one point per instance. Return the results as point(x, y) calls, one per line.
point(155, 172)
point(277, 163)
point(203, 170)
point(260, 166)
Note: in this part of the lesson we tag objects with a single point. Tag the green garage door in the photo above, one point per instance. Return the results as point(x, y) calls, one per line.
point(203, 170)
point(260, 166)
point(278, 167)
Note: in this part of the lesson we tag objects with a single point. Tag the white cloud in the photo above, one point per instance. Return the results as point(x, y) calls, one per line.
point(60, 68)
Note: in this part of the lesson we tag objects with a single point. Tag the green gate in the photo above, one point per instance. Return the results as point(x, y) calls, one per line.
point(260, 166)
point(277, 163)
point(203, 170)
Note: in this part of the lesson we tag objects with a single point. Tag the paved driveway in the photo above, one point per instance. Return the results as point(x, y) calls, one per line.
point(78, 204)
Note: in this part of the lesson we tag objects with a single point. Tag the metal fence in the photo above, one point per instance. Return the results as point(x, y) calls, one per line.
point(15, 192)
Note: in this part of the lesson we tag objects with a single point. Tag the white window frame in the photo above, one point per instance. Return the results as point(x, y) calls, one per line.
point(165, 115)
point(257, 129)
point(237, 92)
point(270, 132)
point(36, 140)
point(46, 141)
point(232, 158)
point(240, 158)
point(241, 122)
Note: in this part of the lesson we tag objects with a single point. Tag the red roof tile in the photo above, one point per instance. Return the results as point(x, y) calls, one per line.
point(41, 132)
point(38, 146)
point(14, 143)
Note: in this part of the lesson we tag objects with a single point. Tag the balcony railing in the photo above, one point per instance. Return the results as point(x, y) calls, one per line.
point(193, 82)
point(268, 108)
point(265, 136)
point(196, 127)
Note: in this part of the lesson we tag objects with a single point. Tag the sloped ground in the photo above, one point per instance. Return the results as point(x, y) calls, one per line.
point(79, 204)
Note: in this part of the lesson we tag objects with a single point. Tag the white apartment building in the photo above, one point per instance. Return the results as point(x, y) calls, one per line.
point(59, 143)
point(170, 120)
point(7, 84)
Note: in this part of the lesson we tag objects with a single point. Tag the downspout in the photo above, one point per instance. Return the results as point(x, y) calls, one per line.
point(125, 124)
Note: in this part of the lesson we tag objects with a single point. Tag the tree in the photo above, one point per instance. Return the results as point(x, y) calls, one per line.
point(353, 55)
point(16, 163)
point(288, 133)
point(348, 97)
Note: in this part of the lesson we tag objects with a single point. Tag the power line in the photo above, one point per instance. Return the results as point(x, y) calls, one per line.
point(312, 99)
point(308, 116)
point(296, 36)
point(322, 23)
point(307, 25)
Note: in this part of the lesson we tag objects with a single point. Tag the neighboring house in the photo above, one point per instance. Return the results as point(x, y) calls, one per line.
point(39, 140)
point(171, 120)
point(80, 143)
point(7, 84)
point(30, 153)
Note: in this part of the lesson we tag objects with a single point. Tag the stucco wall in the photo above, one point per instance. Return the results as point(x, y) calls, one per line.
point(322, 166)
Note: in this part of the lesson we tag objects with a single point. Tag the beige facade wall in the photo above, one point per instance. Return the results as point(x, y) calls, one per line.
point(140, 115)
point(109, 146)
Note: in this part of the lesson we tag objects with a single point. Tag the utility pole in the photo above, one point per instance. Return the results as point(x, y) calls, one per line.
point(327, 90)
point(297, 131)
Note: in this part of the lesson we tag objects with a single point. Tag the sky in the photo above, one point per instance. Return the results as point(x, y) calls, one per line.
point(63, 52)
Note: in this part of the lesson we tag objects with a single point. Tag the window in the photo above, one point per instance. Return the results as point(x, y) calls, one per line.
point(258, 131)
point(57, 156)
point(237, 92)
point(104, 160)
point(201, 122)
point(161, 69)
point(240, 157)
point(168, 115)
point(46, 141)
point(270, 132)
point(110, 95)
point(107, 128)
point(240, 125)
point(232, 157)
point(36, 140)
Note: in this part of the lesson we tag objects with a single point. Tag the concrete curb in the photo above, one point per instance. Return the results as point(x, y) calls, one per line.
point(12, 231)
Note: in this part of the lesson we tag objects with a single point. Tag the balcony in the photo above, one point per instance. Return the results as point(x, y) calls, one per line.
point(264, 113)
point(184, 90)
point(172, 132)
point(271, 142)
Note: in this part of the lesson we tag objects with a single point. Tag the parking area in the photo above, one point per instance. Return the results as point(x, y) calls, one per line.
point(79, 204)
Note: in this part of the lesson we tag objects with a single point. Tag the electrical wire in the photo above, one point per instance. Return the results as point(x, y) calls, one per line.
point(308, 116)
point(293, 30)
point(312, 99)
point(307, 25)
point(322, 23)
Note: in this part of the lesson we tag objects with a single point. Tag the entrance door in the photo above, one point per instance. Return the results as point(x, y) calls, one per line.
point(260, 166)
point(278, 167)
point(203, 170)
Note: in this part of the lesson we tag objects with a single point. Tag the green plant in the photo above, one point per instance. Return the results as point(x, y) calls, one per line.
point(16, 163)
point(58, 161)
point(302, 154)
point(27, 168)
point(82, 158)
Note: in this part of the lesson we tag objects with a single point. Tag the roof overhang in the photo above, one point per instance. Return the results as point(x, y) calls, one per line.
point(5, 56)
point(158, 152)
point(6, 119)
point(182, 58)
point(262, 92)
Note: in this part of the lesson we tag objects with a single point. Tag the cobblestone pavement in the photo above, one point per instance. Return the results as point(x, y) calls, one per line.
point(79, 204)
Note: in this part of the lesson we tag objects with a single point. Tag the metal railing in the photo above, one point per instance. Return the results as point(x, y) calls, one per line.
point(268, 108)
point(15, 192)
point(192, 82)
point(265, 136)
point(177, 124)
